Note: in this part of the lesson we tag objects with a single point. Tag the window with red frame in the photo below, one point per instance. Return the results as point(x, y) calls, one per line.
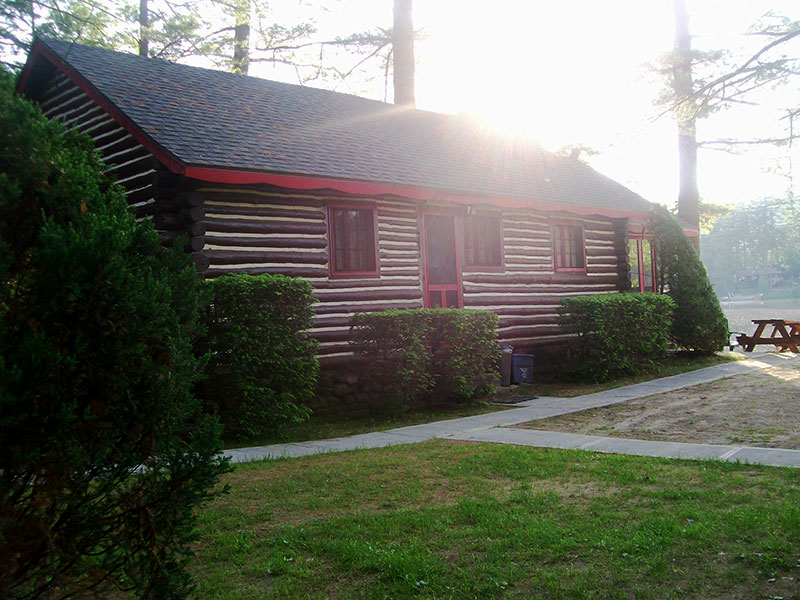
point(568, 247)
point(353, 240)
point(642, 263)
point(483, 241)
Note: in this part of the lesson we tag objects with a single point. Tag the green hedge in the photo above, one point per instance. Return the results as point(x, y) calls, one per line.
point(262, 366)
point(436, 354)
point(615, 333)
point(699, 323)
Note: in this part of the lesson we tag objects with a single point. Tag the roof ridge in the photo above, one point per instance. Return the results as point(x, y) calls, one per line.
point(222, 73)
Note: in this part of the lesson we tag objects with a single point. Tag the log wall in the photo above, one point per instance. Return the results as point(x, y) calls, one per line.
point(151, 190)
point(129, 162)
point(526, 293)
point(260, 229)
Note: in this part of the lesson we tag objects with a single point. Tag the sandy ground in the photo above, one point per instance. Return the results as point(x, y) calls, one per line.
point(755, 409)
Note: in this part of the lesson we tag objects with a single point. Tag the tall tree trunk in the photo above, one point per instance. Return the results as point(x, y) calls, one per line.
point(241, 38)
point(144, 24)
point(685, 115)
point(403, 53)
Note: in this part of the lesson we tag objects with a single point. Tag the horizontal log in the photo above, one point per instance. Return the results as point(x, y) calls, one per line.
point(597, 236)
point(606, 251)
point(364, 295)
point(332, 321)
point(410, 238)
point(398, 254)
point(261, 211)
point(267, 242)
point(144, 210)
point(232, 257)
point(359, 306)
point(385, 213)
point(530, 333)
point(333, 284)
point(524, 310)
point(539, 244)
point(136, 181)
point(288, 271)
point(262, 227)
point(396, 221)
point(409, 272)
point(239, 194)
point(123, 148)
point(509, 321)
point(521, 279)
point(331, 336)
point(141, 195)
point(530, 259)
point(130, 168)
point(521, 299)
point(596, 288)
point(334, 349)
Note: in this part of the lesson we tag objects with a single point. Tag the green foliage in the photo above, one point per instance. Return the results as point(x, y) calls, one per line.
point(444, 354)
point(698, 323)
point(263, 366)
point(105, 452)
point(758, 235)
point(615, 333)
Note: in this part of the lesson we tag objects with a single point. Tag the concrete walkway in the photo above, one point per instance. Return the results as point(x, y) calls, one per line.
point(497, 427)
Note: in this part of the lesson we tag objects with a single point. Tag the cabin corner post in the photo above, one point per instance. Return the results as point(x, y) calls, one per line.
point(621, 250)
point(179, 209)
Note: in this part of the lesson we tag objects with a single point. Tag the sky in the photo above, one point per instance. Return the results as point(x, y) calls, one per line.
point(574, 72)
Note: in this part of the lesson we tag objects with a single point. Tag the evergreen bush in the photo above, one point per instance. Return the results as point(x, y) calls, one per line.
point(698, 323)
point(104, 452)
point(615, 333)
point(436, 354)
point(263, 366)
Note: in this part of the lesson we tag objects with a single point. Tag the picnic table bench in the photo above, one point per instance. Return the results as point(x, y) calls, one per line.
point(785, 335)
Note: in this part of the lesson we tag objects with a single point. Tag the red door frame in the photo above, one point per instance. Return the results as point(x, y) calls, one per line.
point(458, 241)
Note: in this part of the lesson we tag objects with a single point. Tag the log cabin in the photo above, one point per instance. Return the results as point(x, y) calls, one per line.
point(378, 206)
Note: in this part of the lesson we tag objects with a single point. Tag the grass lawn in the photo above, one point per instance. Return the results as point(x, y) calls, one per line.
point(457, 520)
point(329, 424)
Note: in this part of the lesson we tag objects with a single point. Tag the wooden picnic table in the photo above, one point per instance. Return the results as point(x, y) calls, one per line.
point(785, 335)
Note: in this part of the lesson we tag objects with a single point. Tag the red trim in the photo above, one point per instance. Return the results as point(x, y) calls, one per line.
point(338, 274)
point(639, 239)
point(371, 188)
point(554, 223)
point(40, 49)
point(458, 241)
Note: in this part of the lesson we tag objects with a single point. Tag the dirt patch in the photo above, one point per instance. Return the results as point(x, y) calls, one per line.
point(753, 409)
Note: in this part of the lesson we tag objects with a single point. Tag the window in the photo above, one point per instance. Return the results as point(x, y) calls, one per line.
point(483, 237)
point(352, 238)
point(568, 248)
point(640, 259)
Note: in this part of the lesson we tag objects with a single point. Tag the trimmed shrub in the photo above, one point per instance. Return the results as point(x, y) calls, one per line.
point(616, 333)
point(464, 350)
point(262, 365)
point(698, 323)
point(439, 354)
point(104, 452)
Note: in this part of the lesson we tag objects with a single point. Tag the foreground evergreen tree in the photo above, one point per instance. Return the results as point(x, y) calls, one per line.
point(104, 453)
point(698, 323)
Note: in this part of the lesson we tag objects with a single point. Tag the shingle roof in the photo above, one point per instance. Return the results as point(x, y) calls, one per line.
point(216, 119)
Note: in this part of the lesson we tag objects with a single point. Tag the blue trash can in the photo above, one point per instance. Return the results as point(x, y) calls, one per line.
point(522, 368)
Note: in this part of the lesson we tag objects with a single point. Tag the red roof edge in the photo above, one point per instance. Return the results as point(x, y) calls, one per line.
point(42, 50)
point(370, 188)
